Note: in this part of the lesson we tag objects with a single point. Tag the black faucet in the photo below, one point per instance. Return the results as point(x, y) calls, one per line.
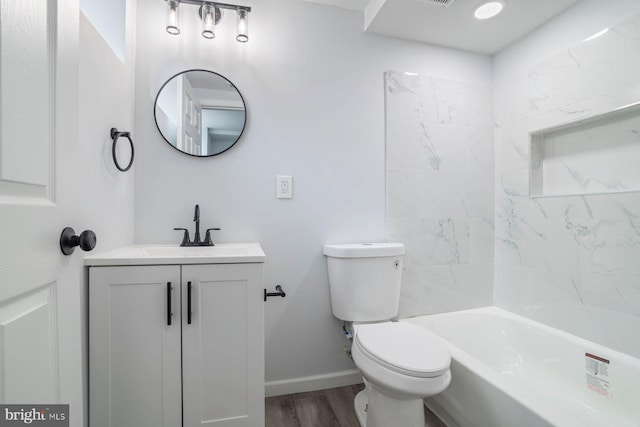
point(196, 219)
point(196, 239)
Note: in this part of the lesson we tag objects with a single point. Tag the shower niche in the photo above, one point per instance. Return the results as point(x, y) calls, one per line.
point(598, 155)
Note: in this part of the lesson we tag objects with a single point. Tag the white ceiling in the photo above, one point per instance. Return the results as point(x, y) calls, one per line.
point(453, 25)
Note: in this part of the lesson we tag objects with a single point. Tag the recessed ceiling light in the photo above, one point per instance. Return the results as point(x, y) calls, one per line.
point(488, 10)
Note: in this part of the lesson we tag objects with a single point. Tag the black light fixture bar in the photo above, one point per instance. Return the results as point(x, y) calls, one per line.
point(210, 14)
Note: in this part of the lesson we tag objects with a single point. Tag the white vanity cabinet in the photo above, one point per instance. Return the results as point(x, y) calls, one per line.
point(176, 345)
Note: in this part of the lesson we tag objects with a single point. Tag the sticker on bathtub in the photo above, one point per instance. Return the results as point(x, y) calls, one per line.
point(598, 374)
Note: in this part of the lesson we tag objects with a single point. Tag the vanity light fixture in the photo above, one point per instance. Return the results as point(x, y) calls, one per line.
point(207, 15)
point(243, 26)
point(173, 17)
point(488, 9)
point(210, 14)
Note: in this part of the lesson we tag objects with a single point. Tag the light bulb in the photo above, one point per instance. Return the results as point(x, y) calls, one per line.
point(243, 26)
point(208, 13)
point(173, 17)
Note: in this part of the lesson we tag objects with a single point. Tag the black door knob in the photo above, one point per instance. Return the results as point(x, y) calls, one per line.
point(69, 240)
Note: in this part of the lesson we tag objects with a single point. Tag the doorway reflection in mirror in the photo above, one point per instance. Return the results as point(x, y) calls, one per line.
point(200, 113)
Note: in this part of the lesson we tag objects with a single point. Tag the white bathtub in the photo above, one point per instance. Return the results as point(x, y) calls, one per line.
point(511, 371)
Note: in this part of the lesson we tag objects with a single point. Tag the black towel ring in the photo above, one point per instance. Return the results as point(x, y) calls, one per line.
point(115, 134)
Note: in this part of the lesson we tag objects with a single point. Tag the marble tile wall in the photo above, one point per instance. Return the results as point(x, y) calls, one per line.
point(596, 156)
point(440, 201)
point(572, 262)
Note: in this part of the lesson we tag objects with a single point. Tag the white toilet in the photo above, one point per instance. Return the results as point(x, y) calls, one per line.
point(401, 363)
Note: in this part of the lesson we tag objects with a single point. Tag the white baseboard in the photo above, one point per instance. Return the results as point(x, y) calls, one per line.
point(312, 383)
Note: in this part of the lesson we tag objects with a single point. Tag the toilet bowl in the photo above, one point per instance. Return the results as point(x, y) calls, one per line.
point(400, 362)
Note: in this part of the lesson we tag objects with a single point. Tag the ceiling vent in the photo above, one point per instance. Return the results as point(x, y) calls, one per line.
point(441, 3)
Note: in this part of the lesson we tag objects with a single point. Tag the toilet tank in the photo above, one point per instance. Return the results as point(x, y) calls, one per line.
point(364, 280)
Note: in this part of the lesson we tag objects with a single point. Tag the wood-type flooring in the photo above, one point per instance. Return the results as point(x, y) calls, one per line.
point(322, 408)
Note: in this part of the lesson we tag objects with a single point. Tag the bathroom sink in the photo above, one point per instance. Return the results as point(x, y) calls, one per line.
point(221, 253)
point(197, 251)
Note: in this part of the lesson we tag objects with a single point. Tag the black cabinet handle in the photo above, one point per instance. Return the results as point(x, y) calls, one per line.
point(189, 303)
point(169, 313)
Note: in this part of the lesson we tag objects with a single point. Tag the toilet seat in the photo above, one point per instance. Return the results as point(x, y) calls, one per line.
point(404, 348)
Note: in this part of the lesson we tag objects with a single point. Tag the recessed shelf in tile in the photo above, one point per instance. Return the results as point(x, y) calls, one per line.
point(593, 156)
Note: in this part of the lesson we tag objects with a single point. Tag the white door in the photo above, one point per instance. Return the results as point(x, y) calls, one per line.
point(223, 345)
point(40, 335)
point(189, 134)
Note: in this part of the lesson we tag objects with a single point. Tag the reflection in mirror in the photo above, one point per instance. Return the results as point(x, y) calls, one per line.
point(200, 113)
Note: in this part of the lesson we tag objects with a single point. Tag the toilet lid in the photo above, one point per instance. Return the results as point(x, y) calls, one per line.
point(404, 348)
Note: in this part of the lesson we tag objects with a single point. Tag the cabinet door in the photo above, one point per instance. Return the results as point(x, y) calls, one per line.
point(223, 346)
point(134, 377)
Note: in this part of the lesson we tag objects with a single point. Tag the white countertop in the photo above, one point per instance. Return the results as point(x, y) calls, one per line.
point(221, 253)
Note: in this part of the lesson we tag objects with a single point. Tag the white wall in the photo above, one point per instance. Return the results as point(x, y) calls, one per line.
point(110, 20)
point(106, 101)
point(313, 84)
point(570, 262)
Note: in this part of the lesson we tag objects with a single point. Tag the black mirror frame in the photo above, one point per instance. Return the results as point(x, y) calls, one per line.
point(155, 118)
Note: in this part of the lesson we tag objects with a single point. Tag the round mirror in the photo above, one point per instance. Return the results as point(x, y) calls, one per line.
point(200, 113)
